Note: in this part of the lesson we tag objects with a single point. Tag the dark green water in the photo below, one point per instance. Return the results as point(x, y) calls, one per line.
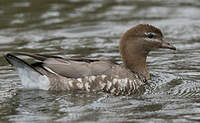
point(91, 29)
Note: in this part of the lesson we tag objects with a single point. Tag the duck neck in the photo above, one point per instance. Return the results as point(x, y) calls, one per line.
point(138, 65)
point(136, 62)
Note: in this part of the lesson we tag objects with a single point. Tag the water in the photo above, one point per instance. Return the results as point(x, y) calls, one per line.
point(91, 29)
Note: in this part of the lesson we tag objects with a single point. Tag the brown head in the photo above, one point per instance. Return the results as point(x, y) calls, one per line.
point(137, 42)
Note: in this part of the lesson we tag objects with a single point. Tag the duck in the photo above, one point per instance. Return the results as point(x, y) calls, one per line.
point(55, 73)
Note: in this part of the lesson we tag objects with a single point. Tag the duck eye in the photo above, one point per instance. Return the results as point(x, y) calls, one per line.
point(150, 35)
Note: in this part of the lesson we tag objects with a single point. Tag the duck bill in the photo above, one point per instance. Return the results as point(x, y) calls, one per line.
point(167, 46)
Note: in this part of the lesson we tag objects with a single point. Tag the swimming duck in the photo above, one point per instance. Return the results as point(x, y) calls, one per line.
point(60, 74)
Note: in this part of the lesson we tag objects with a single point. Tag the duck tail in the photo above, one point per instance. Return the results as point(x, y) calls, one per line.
point(30, 77)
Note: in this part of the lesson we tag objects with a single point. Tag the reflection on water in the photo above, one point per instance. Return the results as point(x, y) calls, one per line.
point(75, 28)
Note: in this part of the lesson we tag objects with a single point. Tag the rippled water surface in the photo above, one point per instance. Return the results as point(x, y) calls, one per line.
point(91, 29)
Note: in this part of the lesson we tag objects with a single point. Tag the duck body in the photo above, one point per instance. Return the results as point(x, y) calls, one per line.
point(60, 74)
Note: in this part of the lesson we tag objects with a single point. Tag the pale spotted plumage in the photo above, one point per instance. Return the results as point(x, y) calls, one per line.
point(116, 85)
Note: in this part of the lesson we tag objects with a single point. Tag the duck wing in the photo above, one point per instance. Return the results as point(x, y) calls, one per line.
point(71, 68)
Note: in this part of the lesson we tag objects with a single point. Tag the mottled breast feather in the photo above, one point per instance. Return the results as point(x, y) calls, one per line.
point(119, 81)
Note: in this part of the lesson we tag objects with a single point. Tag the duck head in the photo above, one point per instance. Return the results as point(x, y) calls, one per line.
point(137, 42)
